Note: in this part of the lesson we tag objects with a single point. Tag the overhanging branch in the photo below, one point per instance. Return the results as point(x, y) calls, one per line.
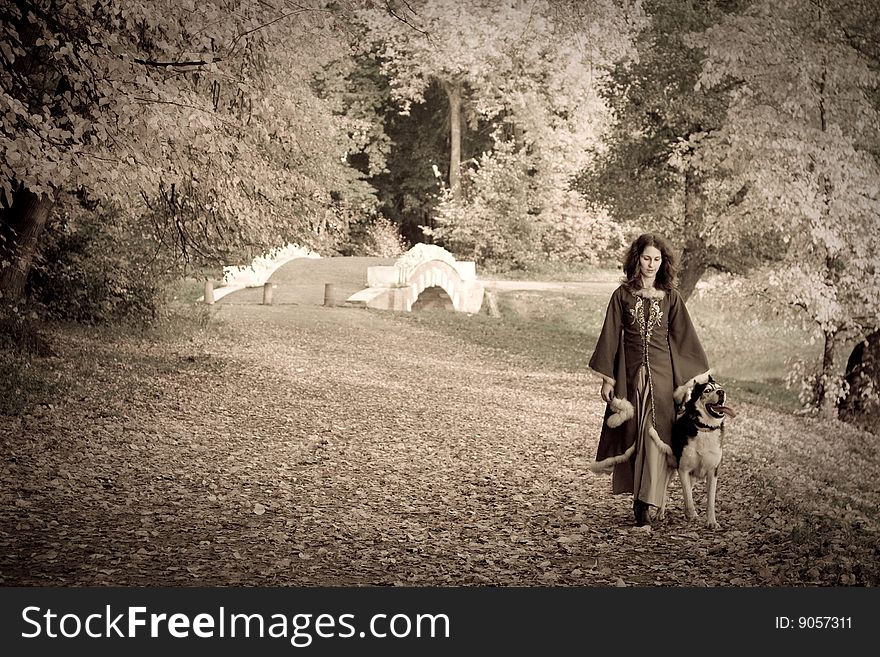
point(150, 62)
point(402, 19)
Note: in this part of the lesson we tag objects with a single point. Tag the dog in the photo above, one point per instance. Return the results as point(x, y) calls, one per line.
point(697, 437)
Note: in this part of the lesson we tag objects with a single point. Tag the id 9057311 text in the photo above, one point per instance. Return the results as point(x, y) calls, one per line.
point(814, 622)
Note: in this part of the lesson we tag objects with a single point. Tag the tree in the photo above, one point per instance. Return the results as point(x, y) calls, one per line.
point(196, 120)
point(802, 131)
point(408, 190)
point(654, 173)
point(448, 43)
point(397, 153)
point(529, 71)
point(487, 56)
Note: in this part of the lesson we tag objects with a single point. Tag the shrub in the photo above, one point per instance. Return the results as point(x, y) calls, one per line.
point(376, 236)
point(95, 266)
point(576, 233)
point(21, 335)
point(509, 215)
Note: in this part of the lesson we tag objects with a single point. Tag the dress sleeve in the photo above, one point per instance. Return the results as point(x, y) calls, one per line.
point(688, 358)
point(603, 358)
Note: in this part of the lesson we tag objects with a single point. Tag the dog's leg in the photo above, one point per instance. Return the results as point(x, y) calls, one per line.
point(686, 485)
point(661, 512)
point(711, 483)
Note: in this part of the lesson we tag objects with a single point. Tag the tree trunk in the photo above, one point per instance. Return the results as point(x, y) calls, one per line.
point(519, 134)
point(861, 405)
point(453, 93)
point(695, 255)
point(694, 260)
point(21, 225)
point(20, 229)
point(826, 400)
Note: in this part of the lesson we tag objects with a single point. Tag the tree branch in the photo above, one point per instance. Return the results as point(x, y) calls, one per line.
point(150, 62)
point(403, 20)
point(267, 24)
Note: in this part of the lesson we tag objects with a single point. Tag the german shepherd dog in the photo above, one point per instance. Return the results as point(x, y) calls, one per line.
point(697, 437)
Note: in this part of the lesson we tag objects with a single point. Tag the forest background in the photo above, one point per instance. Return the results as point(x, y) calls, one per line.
point(148, 142)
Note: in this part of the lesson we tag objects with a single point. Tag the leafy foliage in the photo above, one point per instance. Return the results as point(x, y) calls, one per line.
point(410, 190)
point(505, 218)
point(802, 133)
point(861, 405)
point(20, 339)
point(655, 107)
point(756, 156)
point(655, 170)
point(379, 237)
point(526, 72)
point(95, 267)
point(198, 110)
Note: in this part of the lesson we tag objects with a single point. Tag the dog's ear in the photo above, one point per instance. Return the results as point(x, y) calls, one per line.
point(682, 394)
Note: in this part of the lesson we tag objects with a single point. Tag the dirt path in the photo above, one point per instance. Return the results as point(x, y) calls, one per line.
point(299, 445)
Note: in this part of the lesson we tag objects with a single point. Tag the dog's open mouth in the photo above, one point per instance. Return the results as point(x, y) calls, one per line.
point(720, 410)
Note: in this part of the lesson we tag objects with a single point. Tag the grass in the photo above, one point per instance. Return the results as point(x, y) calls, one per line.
point(771, 392)
point(753, 342)
point(27, 375)
point(188, 290)
point(541, 344)
point(344, 271)
point(546, 329)
point(556, 329)
point(551, 271)
point(751, 351)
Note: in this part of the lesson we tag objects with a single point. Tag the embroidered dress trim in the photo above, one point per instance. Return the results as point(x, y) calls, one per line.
point(646, 330)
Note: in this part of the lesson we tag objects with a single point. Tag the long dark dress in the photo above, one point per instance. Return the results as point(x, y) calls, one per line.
point(648, 348)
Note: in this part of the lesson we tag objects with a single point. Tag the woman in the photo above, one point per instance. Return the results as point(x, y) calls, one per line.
point(647, 352)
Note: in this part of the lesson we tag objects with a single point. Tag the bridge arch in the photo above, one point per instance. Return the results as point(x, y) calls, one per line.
point(433, 298)
point(420, 270)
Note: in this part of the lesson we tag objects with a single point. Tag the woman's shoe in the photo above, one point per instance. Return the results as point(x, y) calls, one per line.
point(640, 510)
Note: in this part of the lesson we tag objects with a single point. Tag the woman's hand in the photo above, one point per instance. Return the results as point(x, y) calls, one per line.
point(607, 392)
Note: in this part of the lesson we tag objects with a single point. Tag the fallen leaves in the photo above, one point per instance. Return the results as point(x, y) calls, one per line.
point(296, 450)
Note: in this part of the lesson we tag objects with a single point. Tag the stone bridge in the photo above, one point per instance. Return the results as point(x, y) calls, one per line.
point(425, 277)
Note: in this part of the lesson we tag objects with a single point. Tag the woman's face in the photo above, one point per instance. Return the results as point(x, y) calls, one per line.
point(649, 262)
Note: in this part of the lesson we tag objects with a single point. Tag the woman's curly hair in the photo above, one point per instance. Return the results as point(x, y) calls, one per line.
point(666, 275)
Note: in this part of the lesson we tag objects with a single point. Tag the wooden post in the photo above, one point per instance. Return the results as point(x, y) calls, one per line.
point(493, 304)
point(329, 295)
point(267, 294)
point(208, 298)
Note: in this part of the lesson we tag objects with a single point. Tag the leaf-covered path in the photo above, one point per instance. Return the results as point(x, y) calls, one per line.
point(299, 445)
